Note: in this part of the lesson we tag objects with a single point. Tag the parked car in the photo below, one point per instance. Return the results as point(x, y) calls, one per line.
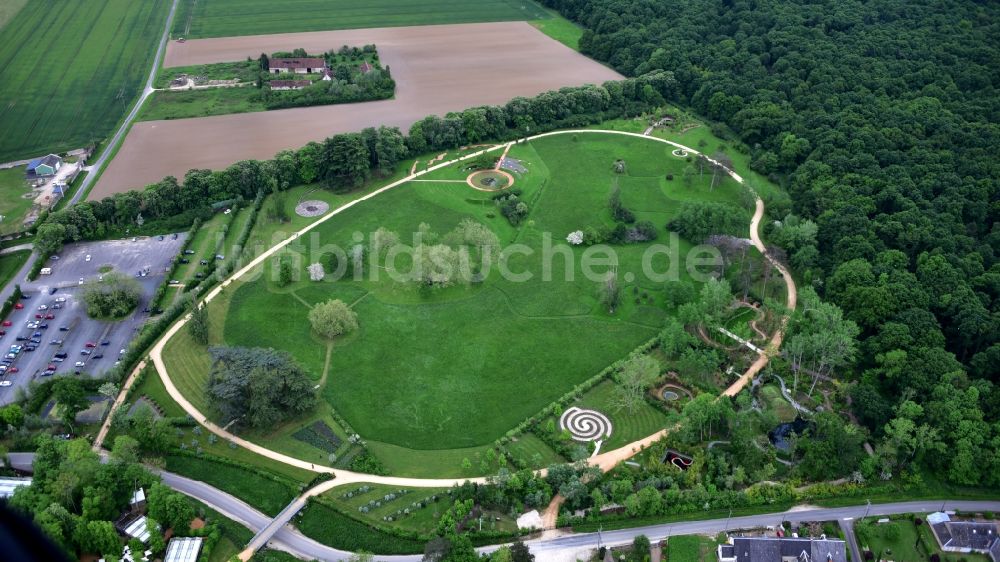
point(87, 258)
point(13, 370)
point(56, 342)
point(44, 326)
point(185, 260)
point(30, 347)
point(7, 323)
point(36, 335)
point(105, 342)
point(3, 333)
point(60, 299)
point(84, 352)
point(80, 282)
point(18, 306)
point(174, 237)
point(61, 354)
point(48, 372)
point(42, 307)
point(20, 338)
point(56, 306)
point(90, 344)
point(53, 290)
point(5, 383)
point(58, 359)
point(50, 316)
point(203, 262)
point(25, 296)
point(63, 328)
point(160, 238)
point(79, 364)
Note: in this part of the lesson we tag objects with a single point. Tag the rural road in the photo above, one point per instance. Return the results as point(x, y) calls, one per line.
point(96, 167)
point(605, 460)
point(294, 542)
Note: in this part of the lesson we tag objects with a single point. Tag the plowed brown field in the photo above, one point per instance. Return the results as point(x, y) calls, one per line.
point(437, 69)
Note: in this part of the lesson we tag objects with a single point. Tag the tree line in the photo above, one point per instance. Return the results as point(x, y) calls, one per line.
point(346, 161)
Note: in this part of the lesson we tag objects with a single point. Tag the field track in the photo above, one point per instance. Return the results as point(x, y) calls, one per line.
point(437, 69)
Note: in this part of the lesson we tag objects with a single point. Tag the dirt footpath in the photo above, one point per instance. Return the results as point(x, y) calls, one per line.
point(437, 69)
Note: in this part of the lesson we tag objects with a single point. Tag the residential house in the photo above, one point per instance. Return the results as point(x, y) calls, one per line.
point(964, 535)
point(44, 167)
point(279, 85)
point(772, 549)
point(306, 65)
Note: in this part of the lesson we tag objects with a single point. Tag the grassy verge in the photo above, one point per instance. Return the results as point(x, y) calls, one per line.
point(234, 536)
point(690, 548)
point(263, 491)
point(10, 264)
point(13, 203)
point(332, 528)
point(560, 29)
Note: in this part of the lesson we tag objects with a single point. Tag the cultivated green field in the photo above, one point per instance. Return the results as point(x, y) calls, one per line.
point(71, 69)
point(8, 9)
point(224, 18)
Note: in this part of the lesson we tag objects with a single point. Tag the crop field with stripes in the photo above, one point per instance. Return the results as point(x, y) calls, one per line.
point(225, 18)
point(71, 69)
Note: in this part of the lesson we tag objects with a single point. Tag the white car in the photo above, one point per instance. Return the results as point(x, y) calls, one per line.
point(80, 364)
point(60, 299)
point(6, 383)
point(42, 307)
point(80, 282)
point(87, 258)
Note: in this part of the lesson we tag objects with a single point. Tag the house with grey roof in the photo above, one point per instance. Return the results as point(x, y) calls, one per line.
point(965, 535)
point(775, 549)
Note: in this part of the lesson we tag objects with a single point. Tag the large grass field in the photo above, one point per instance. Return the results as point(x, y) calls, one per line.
point(224, 18)
point(431, 378)
point(71, 70)
point(8, 9)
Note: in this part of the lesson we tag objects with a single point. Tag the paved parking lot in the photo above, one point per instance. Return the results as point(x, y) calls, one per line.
point(69, 330)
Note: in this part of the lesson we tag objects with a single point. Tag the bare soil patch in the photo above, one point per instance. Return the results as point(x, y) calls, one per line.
point(437, 69)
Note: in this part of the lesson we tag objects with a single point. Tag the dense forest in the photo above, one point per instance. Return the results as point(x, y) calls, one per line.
point(881, 120)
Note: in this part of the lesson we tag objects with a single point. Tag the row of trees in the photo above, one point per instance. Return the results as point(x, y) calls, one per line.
point(347, 161)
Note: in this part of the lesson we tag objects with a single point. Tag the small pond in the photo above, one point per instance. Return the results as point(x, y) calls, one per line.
point(781, 435)
point(670, 395)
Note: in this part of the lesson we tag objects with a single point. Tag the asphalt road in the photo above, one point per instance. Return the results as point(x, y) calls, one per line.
point(290, 540)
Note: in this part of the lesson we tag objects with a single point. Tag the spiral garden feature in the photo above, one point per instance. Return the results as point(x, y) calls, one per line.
point(585, 425)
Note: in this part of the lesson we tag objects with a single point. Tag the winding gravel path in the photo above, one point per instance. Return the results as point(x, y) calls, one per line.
point(605, 461)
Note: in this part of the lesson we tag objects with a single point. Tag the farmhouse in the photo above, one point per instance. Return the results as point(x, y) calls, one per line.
point(44, 167)
point(771, 549)
point(289, 84)
point(298, 66)
point(965, 536)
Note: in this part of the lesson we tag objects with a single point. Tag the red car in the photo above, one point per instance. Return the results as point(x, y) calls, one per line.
point(13, 370)
point(90, 344)
point(51, 368)
point(39, 316)
point(7, 323)
point(50, 316)
point(18, 306)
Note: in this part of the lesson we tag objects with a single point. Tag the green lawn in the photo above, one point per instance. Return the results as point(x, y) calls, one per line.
point(253, 487)
point(534, 451)
point(223, 18)
point(560, 29)
point(689, 548)
point(627, 426)
point(10, 264)
point(200, 103)
point(331, 527)
point(429, 379)
point(72, 69)
point(13, 203)
point(903, 541)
